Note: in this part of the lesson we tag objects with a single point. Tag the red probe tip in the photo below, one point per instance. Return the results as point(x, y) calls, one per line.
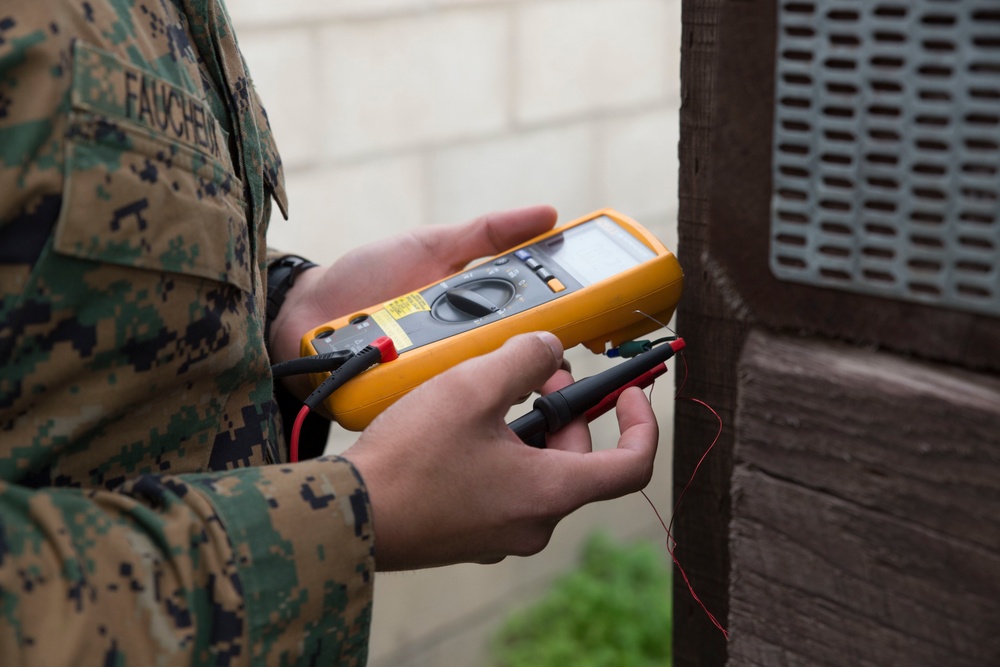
point(677, 345)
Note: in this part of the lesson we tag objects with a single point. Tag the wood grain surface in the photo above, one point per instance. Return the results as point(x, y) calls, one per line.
point(866, 497)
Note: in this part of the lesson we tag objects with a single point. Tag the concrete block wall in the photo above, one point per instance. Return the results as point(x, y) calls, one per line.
point(391, 114)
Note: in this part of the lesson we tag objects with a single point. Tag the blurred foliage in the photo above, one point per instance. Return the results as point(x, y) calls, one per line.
point(613, 611)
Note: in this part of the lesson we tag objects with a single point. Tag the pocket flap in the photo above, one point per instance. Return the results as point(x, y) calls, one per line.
point(136, 196)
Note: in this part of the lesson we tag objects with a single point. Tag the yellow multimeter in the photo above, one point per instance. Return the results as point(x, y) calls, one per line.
point(600, 280)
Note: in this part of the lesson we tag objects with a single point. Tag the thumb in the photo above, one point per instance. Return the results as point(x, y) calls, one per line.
point(520, 366)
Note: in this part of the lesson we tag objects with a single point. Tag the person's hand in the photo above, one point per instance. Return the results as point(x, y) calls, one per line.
point(450, 482)
point(382, 270)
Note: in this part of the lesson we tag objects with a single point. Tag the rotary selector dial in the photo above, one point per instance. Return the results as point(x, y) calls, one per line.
point(472, 300)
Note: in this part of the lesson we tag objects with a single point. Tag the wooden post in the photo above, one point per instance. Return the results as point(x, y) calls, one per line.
point(866, 491)
point(773, 501)
point(706, 319)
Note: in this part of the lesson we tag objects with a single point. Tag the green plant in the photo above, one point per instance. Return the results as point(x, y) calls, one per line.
point(613, 611)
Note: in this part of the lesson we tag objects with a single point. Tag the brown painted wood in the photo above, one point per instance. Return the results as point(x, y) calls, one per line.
point(866, 491)
point(714, 339)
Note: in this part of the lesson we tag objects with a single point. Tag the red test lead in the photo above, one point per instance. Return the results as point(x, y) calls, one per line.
point(611, 400)
point(554, 411)
point(381, 350)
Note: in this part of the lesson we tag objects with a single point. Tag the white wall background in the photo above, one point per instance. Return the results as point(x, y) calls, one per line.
point(396, 113)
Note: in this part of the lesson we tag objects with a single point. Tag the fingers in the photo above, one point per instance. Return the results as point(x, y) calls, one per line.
point(632, 468)
point(466, 491)
point(612, 473)
point(520, 366)
point(575, 436)
point(561, 378)
point(388, 268)
point(496, 232)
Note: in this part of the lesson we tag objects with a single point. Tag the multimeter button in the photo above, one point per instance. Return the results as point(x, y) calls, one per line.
point(533, 264)
point(501, 261)
point(544, 274)
point(522, 255)
point(555, 285)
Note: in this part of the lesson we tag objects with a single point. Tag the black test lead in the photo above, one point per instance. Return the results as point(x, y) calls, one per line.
point(556, 410)
point(382, 350)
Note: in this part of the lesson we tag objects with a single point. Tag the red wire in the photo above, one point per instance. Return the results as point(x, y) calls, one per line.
point(718, 434)
point(381, 350)
point(673, 556)
point(684, 381)
point(293, 447)
point(671, 542)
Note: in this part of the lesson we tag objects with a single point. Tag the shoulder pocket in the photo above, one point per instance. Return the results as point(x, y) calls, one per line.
point(148, 181)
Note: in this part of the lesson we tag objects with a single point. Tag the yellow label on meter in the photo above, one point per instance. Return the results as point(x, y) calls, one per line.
point(407, 305)
point(392, 329)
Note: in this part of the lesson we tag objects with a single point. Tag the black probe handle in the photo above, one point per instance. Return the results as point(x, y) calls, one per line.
point(556, 410)
point(530, 428)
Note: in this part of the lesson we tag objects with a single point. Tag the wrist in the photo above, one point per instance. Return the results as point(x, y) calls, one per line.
point(289, 314)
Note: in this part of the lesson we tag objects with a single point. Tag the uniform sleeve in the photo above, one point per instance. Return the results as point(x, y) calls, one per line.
point(253, 566)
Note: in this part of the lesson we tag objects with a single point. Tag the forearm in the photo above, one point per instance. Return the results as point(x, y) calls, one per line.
point(248, 565)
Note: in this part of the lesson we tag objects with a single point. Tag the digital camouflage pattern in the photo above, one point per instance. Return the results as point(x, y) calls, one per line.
point(138, 522)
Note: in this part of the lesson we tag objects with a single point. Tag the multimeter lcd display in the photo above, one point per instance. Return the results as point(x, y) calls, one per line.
point(595, 251)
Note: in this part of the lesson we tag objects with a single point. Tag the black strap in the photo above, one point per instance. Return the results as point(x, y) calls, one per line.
point(281, 276)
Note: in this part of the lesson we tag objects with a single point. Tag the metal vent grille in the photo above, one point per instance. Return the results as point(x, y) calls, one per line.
point(887, 149)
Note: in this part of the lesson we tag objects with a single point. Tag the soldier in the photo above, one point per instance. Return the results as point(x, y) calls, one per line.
point(146, 513)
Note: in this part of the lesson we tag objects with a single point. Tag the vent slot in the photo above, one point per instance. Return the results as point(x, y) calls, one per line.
point(886, 156)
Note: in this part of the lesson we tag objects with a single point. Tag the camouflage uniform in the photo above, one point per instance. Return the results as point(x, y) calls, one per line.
point(136, 177)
